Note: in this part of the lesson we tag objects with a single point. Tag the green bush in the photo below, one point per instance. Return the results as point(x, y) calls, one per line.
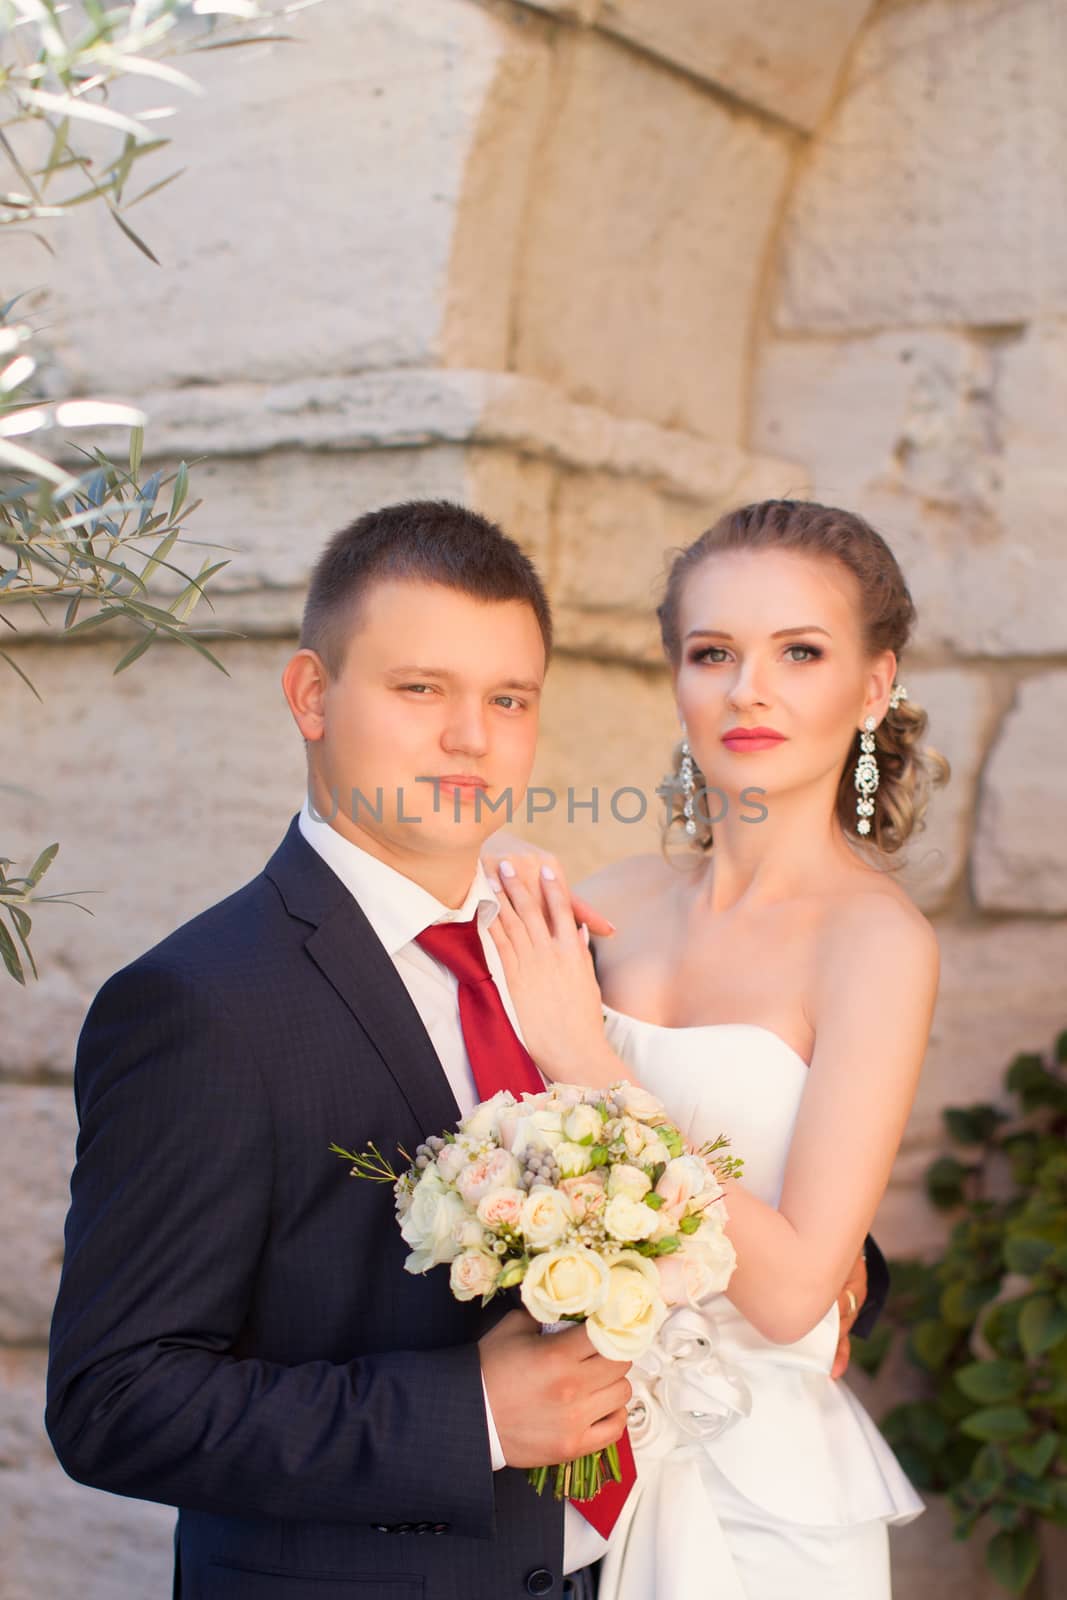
point(986, 1323)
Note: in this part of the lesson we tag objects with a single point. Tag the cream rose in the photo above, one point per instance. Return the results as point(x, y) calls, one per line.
point(573, 1159)
point(545, 1217)
point(702, 1267)
point(473, 1274)
point(533, 1130)
point(498, 1170)
point(584, 1122)
point(655, 1153)
point(637, 1102)
point(470, 1234)
point(629, 1220)
point(484, 1120)
point(451, 1161)
point(625, 1323)
point(628, 1180)
point(570, 1281)
point(586, 1194)
point(501, 1208)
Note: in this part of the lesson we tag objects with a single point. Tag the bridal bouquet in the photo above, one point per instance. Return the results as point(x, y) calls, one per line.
point(587, 1202)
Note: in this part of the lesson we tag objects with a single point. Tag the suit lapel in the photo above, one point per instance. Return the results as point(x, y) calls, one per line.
point(352, 959)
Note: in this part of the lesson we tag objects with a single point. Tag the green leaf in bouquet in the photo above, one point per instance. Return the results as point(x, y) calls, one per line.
point(1042, 1324)
point(1000, 1424)
point(1012, 1557)
point(653, 1200)
point(689, 1225)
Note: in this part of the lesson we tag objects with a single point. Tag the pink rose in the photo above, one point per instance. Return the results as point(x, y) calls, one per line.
point(684, 1178)
point(586, 1194)
point(497, 1170)
point(501, 1208)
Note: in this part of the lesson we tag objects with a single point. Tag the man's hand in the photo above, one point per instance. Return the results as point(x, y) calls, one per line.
point(571, 1400)
point(850, 1310)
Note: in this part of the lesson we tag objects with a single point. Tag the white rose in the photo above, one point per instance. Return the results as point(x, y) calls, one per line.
point(584, 1122)
point(628, 1318)
point(637, 1102)
point(570, 1281)
point(474, 1274)
point(655, 1153)
point(629, 1220)
point(430, 1226)
point(546, 1216)
point(484, 1120)
point(451, 1161)
point(633, 1135)
point(497, 1170)
point(470, 1234)
point(628, 1180)
point(501, 1208)
point(573, 1159)
point(534, 1130)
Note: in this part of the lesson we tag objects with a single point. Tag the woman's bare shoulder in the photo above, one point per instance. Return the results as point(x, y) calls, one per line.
point(618, 888)
point(881, 924)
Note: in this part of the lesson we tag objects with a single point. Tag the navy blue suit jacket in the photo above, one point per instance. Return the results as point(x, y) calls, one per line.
point(234, 1333)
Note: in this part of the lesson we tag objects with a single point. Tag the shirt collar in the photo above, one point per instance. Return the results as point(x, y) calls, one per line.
point(396, 907)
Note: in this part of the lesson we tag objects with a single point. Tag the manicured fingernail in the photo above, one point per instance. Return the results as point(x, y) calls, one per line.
point(506, 869)
point(585, 932)
point(495, 883)
point(612, 928)
point(546, 872)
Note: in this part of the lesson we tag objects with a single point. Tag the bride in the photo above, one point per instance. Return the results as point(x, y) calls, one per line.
point(774, 983)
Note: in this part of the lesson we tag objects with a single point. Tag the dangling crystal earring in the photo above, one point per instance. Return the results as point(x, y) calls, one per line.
point(866, 777)
point(686, 774)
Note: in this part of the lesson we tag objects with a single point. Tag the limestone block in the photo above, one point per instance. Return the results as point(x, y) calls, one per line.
point(936, 191)
point(1001, 992)
point(1020, 854)
point(331, 186)
point(167, 787)
point(573, 10)
point(605, 729)
point(37, 1133)
point(959, 706)
point(935, 437)
point(632, 294)
point(56, 1536)
point(783, 59)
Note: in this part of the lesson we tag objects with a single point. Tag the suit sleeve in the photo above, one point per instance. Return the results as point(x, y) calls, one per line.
point(170, 1207)
point(877, 1289)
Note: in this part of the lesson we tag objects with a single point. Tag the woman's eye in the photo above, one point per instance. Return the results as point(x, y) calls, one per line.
point(813, 653)
point(709, 650)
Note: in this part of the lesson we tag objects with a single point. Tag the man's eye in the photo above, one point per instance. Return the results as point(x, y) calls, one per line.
point(416, 688)
point(510, 698)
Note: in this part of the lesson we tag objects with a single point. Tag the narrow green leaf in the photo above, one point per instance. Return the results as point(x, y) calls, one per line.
point(134, 238)
point(22, 928)
point(10, 956)
point(134, 653)
point(136, 450)
point(13, 664)
point(42, 864)
point(181, 489)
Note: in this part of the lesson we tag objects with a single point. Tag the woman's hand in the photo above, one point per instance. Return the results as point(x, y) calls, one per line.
point(527, 860)
point(551, 980)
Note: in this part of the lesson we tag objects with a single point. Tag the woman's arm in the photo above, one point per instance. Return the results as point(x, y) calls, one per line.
point(871, 1010)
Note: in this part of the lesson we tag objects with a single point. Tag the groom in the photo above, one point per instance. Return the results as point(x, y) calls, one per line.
point(234, 1332)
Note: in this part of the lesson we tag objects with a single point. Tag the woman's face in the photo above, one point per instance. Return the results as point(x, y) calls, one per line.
point(771, 639)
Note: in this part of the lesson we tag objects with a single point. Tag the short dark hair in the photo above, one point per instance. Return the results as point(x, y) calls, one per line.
point(432, 541)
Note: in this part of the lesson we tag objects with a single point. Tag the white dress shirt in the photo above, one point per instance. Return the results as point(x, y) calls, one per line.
point(397, 909)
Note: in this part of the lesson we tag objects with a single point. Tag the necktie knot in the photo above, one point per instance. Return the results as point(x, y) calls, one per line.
point(457, 946)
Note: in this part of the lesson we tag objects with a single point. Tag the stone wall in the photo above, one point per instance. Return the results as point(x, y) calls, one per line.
point(600, 268)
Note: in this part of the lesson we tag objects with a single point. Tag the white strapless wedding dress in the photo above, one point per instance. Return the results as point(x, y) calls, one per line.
point(759, 1477)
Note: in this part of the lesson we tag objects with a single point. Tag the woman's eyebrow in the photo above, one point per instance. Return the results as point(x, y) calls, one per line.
point(717, 633)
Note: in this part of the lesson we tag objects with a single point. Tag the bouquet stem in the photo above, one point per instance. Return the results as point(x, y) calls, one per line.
point(582, 1479)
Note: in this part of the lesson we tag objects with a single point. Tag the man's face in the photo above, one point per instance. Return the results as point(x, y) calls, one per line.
point(437, 707)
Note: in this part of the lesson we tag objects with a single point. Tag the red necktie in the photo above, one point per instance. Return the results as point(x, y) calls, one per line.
point(499, 1060)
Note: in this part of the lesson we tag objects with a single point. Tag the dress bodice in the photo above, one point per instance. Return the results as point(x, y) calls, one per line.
point(789, 1437)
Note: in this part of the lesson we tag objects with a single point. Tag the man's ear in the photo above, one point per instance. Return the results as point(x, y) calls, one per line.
point(304, 686)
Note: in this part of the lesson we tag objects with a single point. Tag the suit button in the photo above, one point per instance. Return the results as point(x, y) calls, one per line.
point(540, 1581)
point(381, 1527)
point(403, 1527)
point(441, 1527)
point(424, 1527)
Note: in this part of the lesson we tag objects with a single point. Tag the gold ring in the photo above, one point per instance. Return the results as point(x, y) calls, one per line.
point(853, 1303)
